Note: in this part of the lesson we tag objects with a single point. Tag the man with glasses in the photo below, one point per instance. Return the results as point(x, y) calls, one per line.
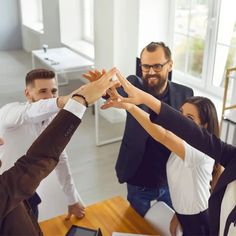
point(142, 160)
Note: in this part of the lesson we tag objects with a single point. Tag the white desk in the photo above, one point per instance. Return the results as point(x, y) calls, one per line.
point(61, 61)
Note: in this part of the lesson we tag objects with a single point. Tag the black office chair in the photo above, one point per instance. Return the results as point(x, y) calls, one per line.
point(139, 70)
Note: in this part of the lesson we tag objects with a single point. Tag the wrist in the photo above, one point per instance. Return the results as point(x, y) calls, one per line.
point(152, 103)
point(130, 107)
point(80, 98)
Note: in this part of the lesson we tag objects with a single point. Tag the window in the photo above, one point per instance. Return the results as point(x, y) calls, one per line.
point(76, 25)
point(88, 25)
point(32, 16)
point(204, 42)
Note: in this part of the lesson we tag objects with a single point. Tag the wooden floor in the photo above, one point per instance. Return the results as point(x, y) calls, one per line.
point(92, 167)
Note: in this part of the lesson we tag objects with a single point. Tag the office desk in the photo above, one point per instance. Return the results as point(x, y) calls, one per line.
point(61, 61)
point(110, 215)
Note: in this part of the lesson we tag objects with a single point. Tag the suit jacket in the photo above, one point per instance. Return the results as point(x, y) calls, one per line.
point(134, 139)
point(19, 182)
point(223, 153)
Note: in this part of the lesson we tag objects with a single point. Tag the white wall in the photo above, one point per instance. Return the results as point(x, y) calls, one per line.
point(104, 33)
point(123, 28)
point(10, 31)
point(69, 14)
point(154, 22)
point(126, 22)
point(116, 34)
point(51, 21)
point(51, 36)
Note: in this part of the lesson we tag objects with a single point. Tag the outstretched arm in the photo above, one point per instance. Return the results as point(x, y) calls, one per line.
point(20, 182)
point(175, 122)
point(163, 136)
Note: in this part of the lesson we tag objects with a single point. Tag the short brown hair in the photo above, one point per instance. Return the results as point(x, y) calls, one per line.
point(38, 74)
point(152, 47)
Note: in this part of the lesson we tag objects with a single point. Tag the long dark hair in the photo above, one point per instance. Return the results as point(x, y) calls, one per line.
point(209, 119)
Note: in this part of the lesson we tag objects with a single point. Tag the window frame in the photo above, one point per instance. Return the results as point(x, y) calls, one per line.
point(206, 82)
point(84, 36)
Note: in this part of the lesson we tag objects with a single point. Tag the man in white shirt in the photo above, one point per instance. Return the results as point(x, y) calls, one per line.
point(20, 181)
point(22, 123)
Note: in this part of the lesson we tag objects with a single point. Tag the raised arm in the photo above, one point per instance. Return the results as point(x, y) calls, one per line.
point(163, 136)
point(183, 127)
point(196, 136)
point(17, 114)
point(20, 181)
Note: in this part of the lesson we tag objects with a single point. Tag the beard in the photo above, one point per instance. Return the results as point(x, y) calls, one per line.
point(156, 87)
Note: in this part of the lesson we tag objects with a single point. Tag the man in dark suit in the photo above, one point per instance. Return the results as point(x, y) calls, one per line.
point(137, 163)
point(21, 181)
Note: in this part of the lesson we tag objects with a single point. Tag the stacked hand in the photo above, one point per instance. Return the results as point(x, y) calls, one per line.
point(135, 95)
point(94, 90)
point(94, 75)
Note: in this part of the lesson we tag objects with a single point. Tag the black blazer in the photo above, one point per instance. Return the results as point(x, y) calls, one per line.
point(223, 153)
point(134, 139)
point(20, 181)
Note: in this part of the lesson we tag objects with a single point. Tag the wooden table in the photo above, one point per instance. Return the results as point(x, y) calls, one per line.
point(112, 215)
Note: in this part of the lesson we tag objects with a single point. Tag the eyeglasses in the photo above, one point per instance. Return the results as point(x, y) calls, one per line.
point(155, 67)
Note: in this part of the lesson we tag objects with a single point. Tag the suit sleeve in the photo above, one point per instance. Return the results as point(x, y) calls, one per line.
point(194, 135)
point(20, 182)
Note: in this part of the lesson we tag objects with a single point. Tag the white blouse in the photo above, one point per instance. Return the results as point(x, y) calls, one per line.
point(189, 180)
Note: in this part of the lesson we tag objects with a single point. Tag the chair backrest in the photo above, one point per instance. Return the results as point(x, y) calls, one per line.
point(139, 71)
point(159, 216)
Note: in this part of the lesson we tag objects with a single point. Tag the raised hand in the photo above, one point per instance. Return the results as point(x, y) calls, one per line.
point(94, 90)
point(135, 95)
point(115, 100)
point(94, 75)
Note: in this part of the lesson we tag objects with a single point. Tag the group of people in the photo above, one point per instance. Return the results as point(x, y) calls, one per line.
point(168, 158)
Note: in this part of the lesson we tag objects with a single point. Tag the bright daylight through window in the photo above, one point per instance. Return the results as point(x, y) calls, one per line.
point(204, 41)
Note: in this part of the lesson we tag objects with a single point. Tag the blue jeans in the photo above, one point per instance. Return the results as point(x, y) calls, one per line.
point(140, 197)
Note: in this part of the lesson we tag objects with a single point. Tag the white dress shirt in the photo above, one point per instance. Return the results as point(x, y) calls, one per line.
point(189, 180)
point(21, 124)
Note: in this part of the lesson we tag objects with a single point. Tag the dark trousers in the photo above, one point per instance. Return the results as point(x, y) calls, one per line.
point(195, 225)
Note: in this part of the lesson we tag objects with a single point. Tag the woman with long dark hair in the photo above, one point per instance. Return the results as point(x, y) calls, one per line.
point(222, 203)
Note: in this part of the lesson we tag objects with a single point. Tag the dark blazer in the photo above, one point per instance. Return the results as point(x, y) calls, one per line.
point(134, 139)
point(19, 182)
point(223, 153)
